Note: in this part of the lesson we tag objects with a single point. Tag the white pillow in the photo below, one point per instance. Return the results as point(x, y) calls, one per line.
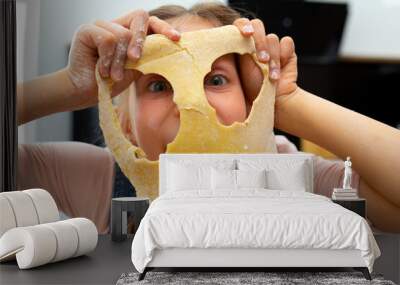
point(289, 179)
point(181, 177)
point(223, 179)
point(184, 174)
point(251, 178)
point(282, 174)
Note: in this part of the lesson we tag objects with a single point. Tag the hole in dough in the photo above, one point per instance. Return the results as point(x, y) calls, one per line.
point(154, 116)
point(231, 87)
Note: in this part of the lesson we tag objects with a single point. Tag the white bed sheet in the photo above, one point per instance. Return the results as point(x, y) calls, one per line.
point(250, 218)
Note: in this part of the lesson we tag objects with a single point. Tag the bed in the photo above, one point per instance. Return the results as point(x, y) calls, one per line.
point(247, 211)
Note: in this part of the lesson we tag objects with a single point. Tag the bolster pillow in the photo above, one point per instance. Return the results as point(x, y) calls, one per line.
point(31, 232)
point(26, 208)
point(40, 244)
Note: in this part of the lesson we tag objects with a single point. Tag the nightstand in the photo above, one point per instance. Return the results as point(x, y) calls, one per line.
point(357, 205)
point(126, 210)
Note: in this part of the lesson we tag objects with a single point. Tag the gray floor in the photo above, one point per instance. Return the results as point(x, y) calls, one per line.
point(388, 264)
point(110, 259)
point(103, 266)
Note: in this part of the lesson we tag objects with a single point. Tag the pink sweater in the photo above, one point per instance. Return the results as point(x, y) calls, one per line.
point(80, 176)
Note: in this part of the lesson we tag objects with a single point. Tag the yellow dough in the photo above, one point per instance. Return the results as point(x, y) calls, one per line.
point(184, 64)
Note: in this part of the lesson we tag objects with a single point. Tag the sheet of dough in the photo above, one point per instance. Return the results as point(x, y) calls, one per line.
point(184, 64)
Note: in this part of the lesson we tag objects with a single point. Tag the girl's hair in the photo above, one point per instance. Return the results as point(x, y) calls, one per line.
point(212, 11)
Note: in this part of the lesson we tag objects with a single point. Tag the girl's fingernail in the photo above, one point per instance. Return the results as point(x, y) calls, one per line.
point(248, 28)
point(275, 73)
point(263, 55)
point(135, 51)
point(176, 33)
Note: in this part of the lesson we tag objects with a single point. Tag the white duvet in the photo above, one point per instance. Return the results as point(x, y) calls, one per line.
point(251, 218)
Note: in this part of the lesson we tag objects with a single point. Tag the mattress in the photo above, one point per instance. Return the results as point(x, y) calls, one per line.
point(250, 218)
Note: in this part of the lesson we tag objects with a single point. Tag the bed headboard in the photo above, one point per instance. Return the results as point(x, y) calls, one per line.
point(201, 158)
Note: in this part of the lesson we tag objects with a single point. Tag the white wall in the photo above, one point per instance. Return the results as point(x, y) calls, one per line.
point(28, 31)
point(372, 29)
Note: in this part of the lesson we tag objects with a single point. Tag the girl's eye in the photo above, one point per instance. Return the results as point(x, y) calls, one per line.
point(216, 80)
point(159, 86)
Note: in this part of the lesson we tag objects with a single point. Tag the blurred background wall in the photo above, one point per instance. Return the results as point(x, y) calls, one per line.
point(361, 78)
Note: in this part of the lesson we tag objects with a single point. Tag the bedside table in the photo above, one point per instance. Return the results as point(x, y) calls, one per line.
point(123, 208)
point(358, 205)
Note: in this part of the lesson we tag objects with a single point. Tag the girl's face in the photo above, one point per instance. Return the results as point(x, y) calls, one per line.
point(156, 118)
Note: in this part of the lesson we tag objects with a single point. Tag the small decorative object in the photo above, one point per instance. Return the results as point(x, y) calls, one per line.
point(346, 192)
point(126, 214)
point(347, 174)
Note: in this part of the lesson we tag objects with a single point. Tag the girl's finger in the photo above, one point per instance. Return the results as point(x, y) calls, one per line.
point(274, 50)
point(138, 26)
point(137, 21)
point(123, 36)
point(260, 40)
point(103, 42)
point(159, 26)
point(251, 77)
point(287, 50)
point(245, 27)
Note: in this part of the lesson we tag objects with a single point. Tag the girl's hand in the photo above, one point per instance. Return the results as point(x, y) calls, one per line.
point(280, 55)
point(111, 43)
